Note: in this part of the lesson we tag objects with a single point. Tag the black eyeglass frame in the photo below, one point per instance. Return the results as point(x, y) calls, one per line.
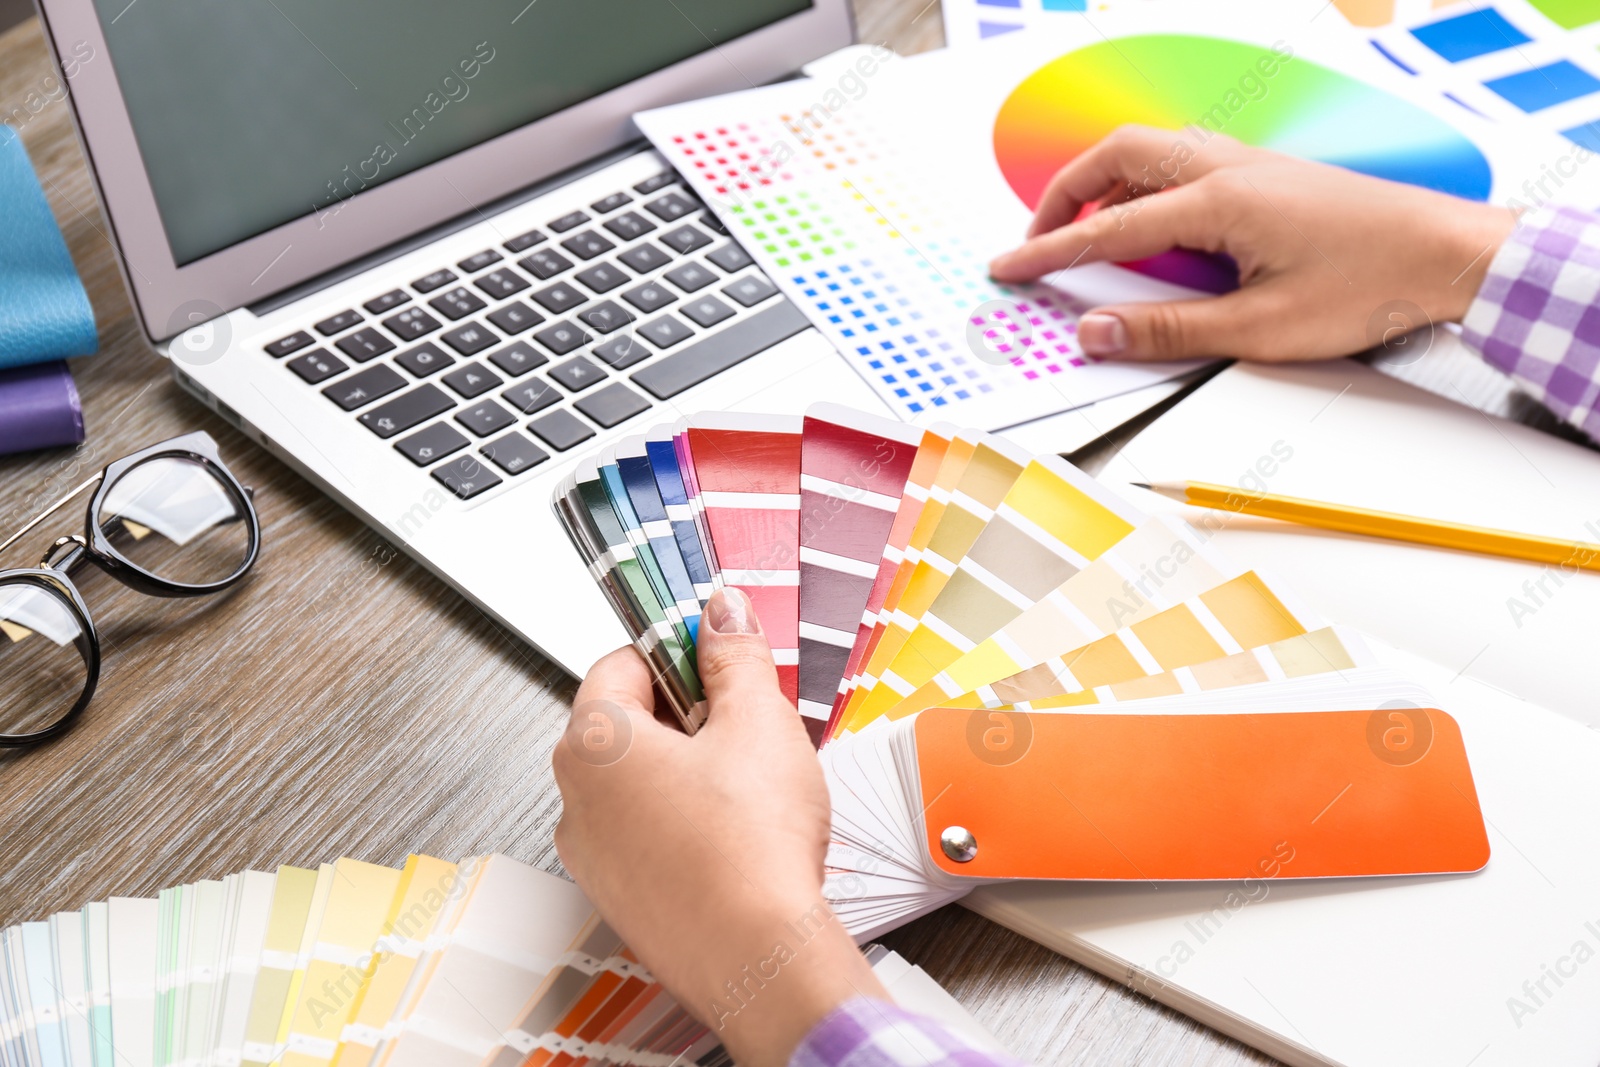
point(53, 575)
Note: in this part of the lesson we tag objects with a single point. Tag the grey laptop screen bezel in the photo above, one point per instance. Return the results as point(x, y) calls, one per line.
point(170, 298)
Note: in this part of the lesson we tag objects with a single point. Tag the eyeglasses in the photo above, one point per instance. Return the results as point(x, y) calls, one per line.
point(169, 521)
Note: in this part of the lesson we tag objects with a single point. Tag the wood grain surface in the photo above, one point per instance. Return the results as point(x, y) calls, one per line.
point(344, 702)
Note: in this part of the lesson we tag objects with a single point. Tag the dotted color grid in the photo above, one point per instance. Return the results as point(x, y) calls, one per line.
point(791, 228)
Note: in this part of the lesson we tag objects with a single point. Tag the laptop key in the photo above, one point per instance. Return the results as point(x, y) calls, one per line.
point(519, 358)
point(731, 258)
point(361, 389)
point(614, 404)
point(656, 184)
point(562, 337)
point(710, 221)
point(751, 290)
point(560, 430)
point(423, 360)
point(645, 258)
point(630, 225)
point(603, 277)
point(587, 245)
point(429, 282)
point(338, 323)
point(387, 302)
point(284, 345)
point(514, 453)
point(666, 331)
point(365, 344)
point(411, 324)
point(649, 297)
point(469, 339)
point(560, 297)
point(706, 311)
point(476, 262)
point(610, 203)
point(436, 442)
point(317, 365)
point(671, 375)
point(406, 410)
point(458, 303)
point(524, 241)
point(570, 221)
point(471, 381)
point(531, 396)
point(605, 317)
point(577, 373)
point(514, 318)
point(691, 277)
point(499, 284)
point(466, 477)
point(671, 207)
point(685, 239)
point(622, 351)
point(545, 264)
point(485, 418)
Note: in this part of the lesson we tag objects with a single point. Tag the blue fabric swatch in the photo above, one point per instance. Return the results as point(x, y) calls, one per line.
point(1477, 33)
point(44, 312)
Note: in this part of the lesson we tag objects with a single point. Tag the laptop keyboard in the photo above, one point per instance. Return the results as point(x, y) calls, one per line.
point(482, 370)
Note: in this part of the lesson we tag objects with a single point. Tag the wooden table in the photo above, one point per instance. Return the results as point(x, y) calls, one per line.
point(345, 702)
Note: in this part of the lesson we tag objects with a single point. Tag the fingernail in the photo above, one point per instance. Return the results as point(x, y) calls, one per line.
point(729, 611)
point(997, 265)
point(1102, 335)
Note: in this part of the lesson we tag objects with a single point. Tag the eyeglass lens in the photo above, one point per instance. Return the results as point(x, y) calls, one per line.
point(173, 518)
point(42, 671)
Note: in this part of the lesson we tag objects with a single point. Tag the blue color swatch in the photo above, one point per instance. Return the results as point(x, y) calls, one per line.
point(1391, 57)
point(1587, 135)
point(1065, 5)
point(1477, 33)
point(1001, 3)
point(1535, 90)
point(995, 29)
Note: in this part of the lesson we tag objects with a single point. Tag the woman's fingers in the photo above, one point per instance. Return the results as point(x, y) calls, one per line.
point(1133, 161)
point(1185, 217)
point(1245, 324)
point(734, 659)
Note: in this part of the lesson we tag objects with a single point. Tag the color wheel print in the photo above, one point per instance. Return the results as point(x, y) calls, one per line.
point(1173, 80)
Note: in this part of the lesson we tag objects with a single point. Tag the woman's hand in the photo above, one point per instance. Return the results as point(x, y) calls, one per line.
point(1320, 249)
point(705, 853)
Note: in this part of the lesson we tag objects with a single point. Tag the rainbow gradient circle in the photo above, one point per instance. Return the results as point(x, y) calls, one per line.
point(1175, 80)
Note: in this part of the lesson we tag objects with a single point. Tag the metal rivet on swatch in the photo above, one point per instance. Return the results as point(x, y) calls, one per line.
point(958, 843)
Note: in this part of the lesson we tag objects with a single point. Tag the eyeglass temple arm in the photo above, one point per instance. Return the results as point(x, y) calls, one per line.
point(51, 510)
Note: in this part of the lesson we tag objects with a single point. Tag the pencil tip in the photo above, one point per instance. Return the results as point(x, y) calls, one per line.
point(1141, 485)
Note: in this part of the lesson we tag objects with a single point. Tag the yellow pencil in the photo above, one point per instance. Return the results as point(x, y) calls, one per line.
point(1571, 555)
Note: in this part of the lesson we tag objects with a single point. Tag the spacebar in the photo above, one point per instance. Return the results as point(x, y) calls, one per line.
point(717, 353)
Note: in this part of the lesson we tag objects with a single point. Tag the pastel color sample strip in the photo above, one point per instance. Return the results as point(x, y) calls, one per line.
point(987, 476)
point(358, 903)
point(291, 904)
point(425, 886)
point(514, 925)
point(956, 455)
point(1241, 613)
point(930, 454)
point(747, 470)
point(97, 961)
point(853, 471)
point(1158, 565)
point(71, 956)
point(251, 923)
point(42, 986)
point(133, 950)
point(1052, 524)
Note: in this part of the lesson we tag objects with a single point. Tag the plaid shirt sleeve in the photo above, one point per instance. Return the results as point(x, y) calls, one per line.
point(874, 1033)
point(1537, 316)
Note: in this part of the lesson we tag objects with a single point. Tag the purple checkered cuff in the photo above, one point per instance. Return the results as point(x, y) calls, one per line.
point(1537, 316)
point(875, 1033)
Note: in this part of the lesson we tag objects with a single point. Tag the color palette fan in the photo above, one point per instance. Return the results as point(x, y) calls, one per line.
point(486, 961)
point(957, 621)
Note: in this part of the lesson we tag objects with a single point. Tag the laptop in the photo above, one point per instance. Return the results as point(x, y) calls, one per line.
point(420, 253)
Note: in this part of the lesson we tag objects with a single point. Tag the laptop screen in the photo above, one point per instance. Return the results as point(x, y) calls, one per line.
point(250, 114)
